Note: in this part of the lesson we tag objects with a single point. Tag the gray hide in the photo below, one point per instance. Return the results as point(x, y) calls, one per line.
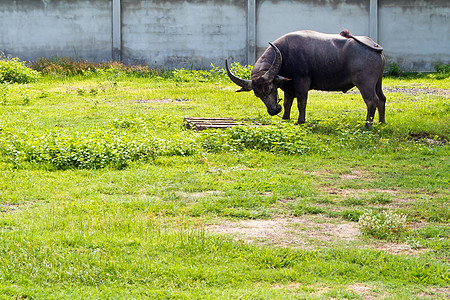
point(304, 60)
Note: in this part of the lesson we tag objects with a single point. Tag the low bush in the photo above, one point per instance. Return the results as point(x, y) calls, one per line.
point(394, 70)
point(441, 72)
point(278, 138)
point(385, 225)
point(215, 74)
point(352, 215)
point(65, 66)
point(14, 71)
point(89, 150)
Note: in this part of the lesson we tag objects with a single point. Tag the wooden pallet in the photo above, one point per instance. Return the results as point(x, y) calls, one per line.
point(206, 123)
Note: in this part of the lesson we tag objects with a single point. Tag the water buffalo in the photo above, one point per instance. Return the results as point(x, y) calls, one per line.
point(304, 60)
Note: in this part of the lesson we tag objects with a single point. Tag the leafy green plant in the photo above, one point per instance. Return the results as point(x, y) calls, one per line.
point(273, 138)
point(4, 93)
point(352, 215)
point(90, 150)
point(81, 91)
point(66, 66)
point(215, 74)
point(300, 209)
point(380, 199)
point(385, 225)
point(26, 99)
point(394, 70)
point(442, 71)
point(14, 71)
point(242, 71)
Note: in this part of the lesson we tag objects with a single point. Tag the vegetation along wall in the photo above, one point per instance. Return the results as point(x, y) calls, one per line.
point(195, 33)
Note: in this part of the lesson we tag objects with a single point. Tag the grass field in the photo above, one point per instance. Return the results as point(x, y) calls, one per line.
point(104, 194)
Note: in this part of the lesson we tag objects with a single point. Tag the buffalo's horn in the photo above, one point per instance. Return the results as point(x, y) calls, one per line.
point(276, 65)
point(246, 85)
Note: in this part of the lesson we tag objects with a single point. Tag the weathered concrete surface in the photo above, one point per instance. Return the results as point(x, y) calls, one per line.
point(276, 18)
point(31, 29)
point(183, 33)
point(194, 33)
point(415, 33)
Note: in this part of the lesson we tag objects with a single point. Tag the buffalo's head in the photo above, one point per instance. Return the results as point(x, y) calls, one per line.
point(265, 86)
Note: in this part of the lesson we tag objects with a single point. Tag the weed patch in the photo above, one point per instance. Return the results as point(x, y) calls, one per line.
point(14, 71)
point(385, 225)
point(62, 150)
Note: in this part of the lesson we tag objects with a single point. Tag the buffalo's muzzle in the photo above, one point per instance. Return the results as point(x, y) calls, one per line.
point(275, 111)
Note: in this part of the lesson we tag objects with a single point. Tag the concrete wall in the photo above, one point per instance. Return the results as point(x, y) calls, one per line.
point(183, 33)
point(277, 17)
point(31, 29)
point(415, 33)
point(194, 33)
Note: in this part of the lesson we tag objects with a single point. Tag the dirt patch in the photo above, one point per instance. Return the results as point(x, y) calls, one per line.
point(401, 248)
point(198, 195)
point(317, 173)
point(13, 207)
point(419, 91)
point(414, 91)
point(290, 286)
point(434, 293)
point(362, 290)
point(308, 232)
point(357, 174)
point(281, 231)
point(429, 139)
point(356, 192)
point(167, 100)
point(354, 174)
point(320, 291)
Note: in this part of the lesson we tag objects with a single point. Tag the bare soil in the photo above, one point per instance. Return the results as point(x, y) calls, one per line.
point(165, 100)
point(414, 91)
point(308, 232)
point(419, 91)
point(356, 192)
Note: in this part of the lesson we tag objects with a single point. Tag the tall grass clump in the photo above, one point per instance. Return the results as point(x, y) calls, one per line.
point(386, 225)
point(66, 66)
point(441, 72)
point(14, 71)
point(215, 74)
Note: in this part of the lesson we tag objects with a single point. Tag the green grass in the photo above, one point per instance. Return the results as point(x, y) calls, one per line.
point(105, 194)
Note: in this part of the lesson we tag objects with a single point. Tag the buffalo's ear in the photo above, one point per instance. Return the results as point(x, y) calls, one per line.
point(280, 79)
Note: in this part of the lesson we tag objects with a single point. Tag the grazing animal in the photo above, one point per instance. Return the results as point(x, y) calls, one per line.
point(304, 60)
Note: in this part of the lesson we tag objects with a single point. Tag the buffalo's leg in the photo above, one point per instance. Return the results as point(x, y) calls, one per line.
point(302, 99)
point(288, 100)
point(381, 102)
point(301, 93)
point(370, 97)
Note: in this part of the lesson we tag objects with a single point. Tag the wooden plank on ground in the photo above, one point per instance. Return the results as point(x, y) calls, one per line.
point(197, 123)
